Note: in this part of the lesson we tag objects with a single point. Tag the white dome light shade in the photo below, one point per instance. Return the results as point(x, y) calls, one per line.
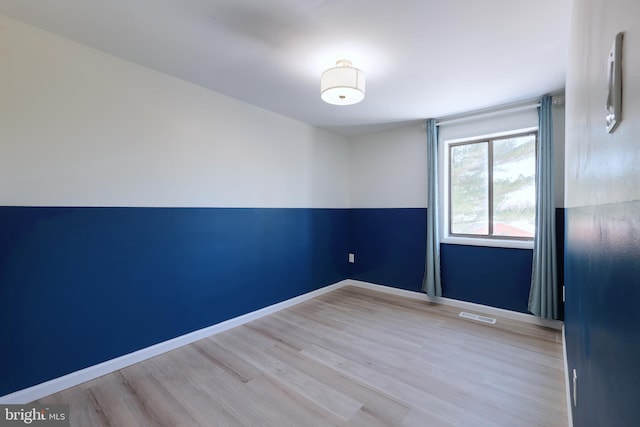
point(342, 84)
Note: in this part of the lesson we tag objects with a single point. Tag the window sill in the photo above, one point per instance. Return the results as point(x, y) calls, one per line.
point(497, 243)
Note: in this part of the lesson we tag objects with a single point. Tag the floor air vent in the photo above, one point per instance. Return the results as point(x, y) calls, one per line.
point(477, 317)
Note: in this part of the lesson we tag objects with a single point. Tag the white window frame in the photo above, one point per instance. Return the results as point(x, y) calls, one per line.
point(473, 241)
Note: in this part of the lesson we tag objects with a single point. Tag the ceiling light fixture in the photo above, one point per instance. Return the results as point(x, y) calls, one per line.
point(342, 84)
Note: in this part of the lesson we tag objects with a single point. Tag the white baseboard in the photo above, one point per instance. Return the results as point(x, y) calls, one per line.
point(566, 379)
point(92, 372)
point(484, 309)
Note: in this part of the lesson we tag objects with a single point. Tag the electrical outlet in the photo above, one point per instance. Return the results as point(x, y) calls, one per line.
point(352, 258)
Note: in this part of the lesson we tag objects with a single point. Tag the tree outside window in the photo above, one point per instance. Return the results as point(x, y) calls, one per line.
point(492, 187)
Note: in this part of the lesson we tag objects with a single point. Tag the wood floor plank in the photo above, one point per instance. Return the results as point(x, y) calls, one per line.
point(285, 407)
point(351, 357)
point(83, 409)
point(420, 418)
point(332, 400)
point(384, 408)
point(157, 398)
point(387, 384)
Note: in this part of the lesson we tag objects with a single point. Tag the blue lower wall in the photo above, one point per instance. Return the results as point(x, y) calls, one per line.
point(389, 245)
point(602, 318)
point(497, 277)
point(79, 286)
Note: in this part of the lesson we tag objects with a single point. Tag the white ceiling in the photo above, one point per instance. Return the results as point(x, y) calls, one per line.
point(422, 58)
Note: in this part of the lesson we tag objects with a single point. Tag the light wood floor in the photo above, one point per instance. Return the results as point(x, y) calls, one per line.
point(350, 357)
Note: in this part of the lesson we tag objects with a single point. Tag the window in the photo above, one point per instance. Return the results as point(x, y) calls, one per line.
point(491, 187)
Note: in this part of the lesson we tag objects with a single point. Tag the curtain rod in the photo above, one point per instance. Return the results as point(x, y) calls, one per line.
point(488, 112)
point(484, 113)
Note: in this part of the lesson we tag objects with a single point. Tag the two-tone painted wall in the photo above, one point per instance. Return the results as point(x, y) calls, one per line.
point(602, 260)
point(135, 207)
point(388, 187)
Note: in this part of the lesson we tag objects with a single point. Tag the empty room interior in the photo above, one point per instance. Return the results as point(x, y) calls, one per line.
point(323, 212)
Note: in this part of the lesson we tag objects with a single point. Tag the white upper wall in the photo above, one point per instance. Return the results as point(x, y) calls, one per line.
point(388, 169)
point(79, 127)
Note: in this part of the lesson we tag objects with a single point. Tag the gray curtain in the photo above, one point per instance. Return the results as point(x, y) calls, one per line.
point(543, 296)
point(431, 281)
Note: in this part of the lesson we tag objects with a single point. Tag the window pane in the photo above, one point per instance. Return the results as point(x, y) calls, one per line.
point(514, 186)
point(469, 189)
